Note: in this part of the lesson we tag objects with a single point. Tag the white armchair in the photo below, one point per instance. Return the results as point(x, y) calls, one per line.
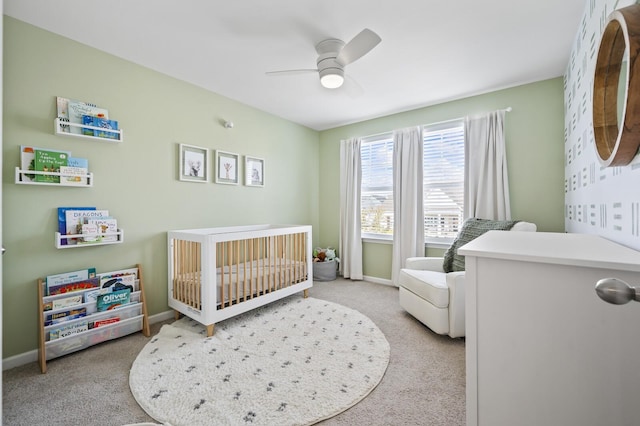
point(435, 297)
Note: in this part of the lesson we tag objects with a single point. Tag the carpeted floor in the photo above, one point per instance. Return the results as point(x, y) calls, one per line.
point(424, 383)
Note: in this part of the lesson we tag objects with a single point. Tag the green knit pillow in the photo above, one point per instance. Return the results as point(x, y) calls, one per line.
point(472, 228)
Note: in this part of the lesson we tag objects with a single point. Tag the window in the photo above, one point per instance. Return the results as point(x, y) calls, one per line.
point(443, 184)
point(376, 198)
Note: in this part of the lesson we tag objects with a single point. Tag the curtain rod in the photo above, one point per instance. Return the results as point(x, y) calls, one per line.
point(507, 109)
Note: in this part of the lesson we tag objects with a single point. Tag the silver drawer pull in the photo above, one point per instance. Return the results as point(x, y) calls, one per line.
point(616, 291)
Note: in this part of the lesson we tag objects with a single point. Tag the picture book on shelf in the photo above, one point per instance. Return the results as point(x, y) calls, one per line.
point(119, 273)
point(88, 121)
point(49, 161)
point(27, 162)
point(107, 225)
point(58, 317)
point(113, 299)
point(102, 322)
point(104, 125)
point(68, 330)
point(69, 277)
point(120, 282)
point(87, 284)
point(78, 162)
point(62, 220)
point(63, 302)
point(90, 234)
point(72, 110)
point(75, 219)
point(75, 172)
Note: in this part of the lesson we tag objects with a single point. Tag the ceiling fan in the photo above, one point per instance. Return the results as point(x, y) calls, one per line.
point(334, 55)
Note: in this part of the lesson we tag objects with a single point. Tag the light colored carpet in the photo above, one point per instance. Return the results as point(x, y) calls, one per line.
point(293, 362)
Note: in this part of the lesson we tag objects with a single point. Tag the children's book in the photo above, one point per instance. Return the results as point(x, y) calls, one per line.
point(91, 234)
point(74, 110)
point(108, 225)
point(27, 162)
point(62, 106)
point(63, 302)
point(75, 172)
point(86, 284)
point(102, 322)
point(49, 161)
point(106, 124)
point(69, 277)
point(62, 221)
point(58, 317)
point(68, 330)
point(88, 120)
point(113, 299)
point(75, 219)
point(118, 283)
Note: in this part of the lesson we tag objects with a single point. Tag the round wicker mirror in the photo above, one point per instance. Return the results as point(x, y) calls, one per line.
point(616, 89)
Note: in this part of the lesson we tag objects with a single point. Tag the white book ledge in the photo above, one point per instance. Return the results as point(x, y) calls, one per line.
point(62, 128)
point(23, 178)
point(81, 243)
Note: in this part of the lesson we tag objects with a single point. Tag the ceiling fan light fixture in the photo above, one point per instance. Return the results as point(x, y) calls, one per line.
point(332, 78)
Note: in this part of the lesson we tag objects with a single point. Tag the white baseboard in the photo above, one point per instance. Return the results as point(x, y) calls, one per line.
point(377, 280)
point(32, 356)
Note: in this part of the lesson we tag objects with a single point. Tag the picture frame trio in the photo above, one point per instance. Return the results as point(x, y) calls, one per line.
point(194, 167)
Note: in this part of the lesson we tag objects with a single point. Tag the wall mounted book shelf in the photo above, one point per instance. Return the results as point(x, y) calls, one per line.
point(62, 128)
point(81, 243)
point(24, 177)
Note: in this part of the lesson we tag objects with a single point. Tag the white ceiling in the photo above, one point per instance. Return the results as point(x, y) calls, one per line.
point(432, 51)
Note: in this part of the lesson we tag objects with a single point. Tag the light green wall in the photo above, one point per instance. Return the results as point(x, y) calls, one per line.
point(534, 133)
point(137, 179)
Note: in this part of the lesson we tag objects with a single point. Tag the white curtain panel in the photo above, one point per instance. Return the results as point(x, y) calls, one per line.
point(350, 245)
point(408, 207)
point(486, 180)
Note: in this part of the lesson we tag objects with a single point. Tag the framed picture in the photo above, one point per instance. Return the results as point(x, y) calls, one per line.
point(253, 171)
point(227, 168)
point(194, 163)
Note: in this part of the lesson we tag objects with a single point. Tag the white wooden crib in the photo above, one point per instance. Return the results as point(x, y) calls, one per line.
point(217, 273)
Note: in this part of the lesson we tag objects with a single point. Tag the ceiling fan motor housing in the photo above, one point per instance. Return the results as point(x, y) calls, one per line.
point(331, 71)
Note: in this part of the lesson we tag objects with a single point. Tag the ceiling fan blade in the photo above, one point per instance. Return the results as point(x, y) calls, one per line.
point(352, 88)
point(359, 46)
point(291, 72)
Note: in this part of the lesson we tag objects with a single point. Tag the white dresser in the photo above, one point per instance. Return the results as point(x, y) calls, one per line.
point(541, 347)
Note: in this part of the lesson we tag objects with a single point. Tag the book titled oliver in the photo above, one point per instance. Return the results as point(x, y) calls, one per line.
point(112, 300)
point(49, 161)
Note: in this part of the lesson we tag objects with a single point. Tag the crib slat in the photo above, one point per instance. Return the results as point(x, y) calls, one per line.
point(220, 261)
point(237, 271)
point(244, 267)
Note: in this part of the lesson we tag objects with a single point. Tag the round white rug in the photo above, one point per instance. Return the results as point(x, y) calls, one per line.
point(293, 362)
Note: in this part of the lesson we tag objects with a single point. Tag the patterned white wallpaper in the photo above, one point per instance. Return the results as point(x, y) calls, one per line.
point(602, 201)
